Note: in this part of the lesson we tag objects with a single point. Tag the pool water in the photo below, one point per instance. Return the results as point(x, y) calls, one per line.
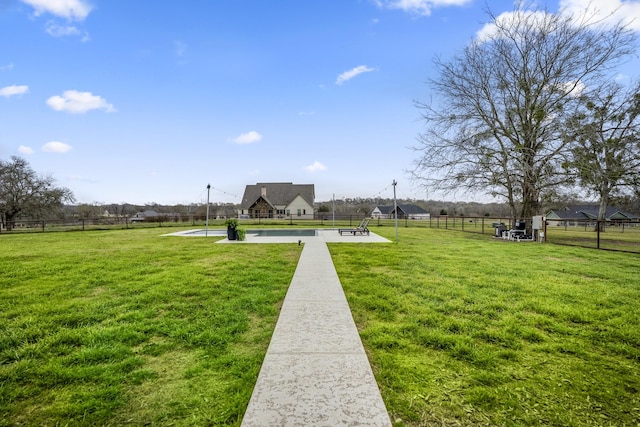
point(281, 232)
point(292, 232)
point(211, 232)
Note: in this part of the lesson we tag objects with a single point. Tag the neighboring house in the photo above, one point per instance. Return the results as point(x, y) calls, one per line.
point(153, 216)
point(404, 212)
point(589, 212)
point(278, 200)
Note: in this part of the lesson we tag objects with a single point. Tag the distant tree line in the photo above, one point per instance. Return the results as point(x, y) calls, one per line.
point(25, 195)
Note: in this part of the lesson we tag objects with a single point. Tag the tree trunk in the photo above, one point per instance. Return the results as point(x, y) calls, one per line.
point(10, 218)
point(602, 210)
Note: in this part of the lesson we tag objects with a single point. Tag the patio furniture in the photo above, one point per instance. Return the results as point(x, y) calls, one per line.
point(360, 229)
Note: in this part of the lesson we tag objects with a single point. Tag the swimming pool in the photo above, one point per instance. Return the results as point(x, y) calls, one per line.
point(286, 232)
point(210, 232)
point(259, 232)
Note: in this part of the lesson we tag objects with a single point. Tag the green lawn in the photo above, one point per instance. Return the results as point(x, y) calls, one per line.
point(462, 329)
point(128, 327)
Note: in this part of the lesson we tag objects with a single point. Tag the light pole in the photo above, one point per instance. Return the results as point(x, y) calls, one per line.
point(206, 226)
point(395, 207)
point(333, 222)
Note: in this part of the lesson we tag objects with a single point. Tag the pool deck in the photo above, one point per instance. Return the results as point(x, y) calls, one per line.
point(328, 235)
point(323, 235)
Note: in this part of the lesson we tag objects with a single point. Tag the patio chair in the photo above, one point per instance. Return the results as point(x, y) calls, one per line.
point(360, 229)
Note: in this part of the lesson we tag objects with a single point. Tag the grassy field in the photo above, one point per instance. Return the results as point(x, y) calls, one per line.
point(127, 327)
point(465, 330)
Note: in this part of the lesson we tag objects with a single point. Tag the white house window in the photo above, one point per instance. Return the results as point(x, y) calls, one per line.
point(299, 212)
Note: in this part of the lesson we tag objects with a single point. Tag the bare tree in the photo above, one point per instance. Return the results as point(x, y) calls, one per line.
point(496, 124)
point(606, 156)
point(23, 192)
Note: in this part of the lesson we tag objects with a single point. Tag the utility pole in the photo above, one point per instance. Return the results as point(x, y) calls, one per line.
point(206, 226)
point(333, 223)
point(395, 207)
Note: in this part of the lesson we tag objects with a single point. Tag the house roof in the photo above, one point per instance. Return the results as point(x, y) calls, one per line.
point(589, 212)
point(147, 214)
point(406, 209)
point(277, 193)
point(412, 209)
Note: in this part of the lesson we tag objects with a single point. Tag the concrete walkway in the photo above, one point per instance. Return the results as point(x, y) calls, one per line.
point(316, 372)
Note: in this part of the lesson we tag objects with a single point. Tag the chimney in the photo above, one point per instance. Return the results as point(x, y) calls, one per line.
point(263, 192)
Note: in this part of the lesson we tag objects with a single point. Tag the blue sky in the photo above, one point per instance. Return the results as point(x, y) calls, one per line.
point(149, 101)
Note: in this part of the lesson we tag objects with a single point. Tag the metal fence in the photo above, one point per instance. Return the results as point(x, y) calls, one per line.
point(107, 223)
point(82, 224)
point(605, 235)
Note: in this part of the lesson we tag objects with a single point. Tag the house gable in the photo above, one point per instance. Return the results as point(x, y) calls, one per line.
point(299, 207)
point(277, 199)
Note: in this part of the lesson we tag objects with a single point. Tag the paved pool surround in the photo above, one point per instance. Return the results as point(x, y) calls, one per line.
point(322, 234)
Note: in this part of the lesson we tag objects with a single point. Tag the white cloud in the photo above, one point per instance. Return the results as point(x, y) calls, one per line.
point(621, 77)
point(56, 147)
point(23, 149)
point(73, 101)
point(56, 30)
point(420, 7)
point(247, 138)
point(73, 10)
point(609, 11)
point(348, 75)
point(574, 89)
point(490, 30)
point(12, 90)
point(315, 167)
point(7, 67)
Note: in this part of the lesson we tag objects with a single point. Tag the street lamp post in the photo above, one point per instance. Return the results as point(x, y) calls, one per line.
point(206, 226)
point(333, 222)
point(395, 207)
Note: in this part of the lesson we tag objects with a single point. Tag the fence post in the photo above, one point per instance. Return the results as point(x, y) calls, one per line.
point(82, 224)
point(482, 219)
point(43, 226)
point(598, 231)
